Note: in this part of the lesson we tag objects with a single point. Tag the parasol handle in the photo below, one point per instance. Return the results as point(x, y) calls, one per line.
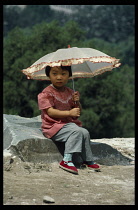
point(73, 86)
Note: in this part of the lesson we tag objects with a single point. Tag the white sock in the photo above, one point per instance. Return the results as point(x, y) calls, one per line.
point(68, 157)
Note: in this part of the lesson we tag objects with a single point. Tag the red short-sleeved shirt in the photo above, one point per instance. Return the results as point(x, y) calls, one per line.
point(58, 99)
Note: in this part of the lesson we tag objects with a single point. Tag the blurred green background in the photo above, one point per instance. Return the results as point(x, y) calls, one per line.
point(32, 31)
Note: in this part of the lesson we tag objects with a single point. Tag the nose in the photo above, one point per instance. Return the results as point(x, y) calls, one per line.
point(59, 77)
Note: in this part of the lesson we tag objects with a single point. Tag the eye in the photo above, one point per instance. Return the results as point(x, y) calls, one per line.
point(64, 73)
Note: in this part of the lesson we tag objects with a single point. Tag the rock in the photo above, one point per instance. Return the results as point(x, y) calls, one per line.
point(123, 145)
point(107, 155)
point(48, 199)
point(7, 153)
point(10, 197)
point(24, 203)
point(23, 137)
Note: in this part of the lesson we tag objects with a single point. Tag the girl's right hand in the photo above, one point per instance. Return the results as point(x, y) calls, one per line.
point(75, 112)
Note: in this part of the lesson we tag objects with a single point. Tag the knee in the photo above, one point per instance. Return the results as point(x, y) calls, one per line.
point(78, 129)
point(85, 133)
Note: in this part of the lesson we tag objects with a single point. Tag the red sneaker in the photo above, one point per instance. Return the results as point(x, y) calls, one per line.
point(64, 165)
point(92, 166)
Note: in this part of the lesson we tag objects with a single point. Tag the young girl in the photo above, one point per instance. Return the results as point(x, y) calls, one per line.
point(60, 109)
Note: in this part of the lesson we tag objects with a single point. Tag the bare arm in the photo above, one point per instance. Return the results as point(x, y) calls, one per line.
point(75, 112)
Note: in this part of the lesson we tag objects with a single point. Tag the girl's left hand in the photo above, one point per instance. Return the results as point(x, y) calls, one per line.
point(76, 96)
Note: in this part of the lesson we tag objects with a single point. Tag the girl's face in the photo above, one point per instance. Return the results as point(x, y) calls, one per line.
point(58, 76)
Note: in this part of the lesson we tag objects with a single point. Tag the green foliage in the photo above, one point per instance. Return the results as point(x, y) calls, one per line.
point(22, 49)
point(112, 23)
point(110, 97)
point(91, 121)
point(107, 99)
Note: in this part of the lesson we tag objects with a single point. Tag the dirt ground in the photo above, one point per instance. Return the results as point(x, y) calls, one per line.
point(28, 183)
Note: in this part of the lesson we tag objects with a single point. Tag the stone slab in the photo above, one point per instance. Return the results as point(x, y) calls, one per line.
point(23, 137)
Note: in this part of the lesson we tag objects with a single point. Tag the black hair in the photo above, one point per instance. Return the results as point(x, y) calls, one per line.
point(68, 68)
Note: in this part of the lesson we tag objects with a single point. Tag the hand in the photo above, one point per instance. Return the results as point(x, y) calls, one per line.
point(76, 96)
point(75, 112)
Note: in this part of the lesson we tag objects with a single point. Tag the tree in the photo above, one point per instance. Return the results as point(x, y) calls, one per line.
point(112, 23)
point(10, 16)
point(108, 103)
point(107, 99)
point(33, 14)
point(21, 49)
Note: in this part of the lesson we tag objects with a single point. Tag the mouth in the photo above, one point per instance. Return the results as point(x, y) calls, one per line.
point(59, 83)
